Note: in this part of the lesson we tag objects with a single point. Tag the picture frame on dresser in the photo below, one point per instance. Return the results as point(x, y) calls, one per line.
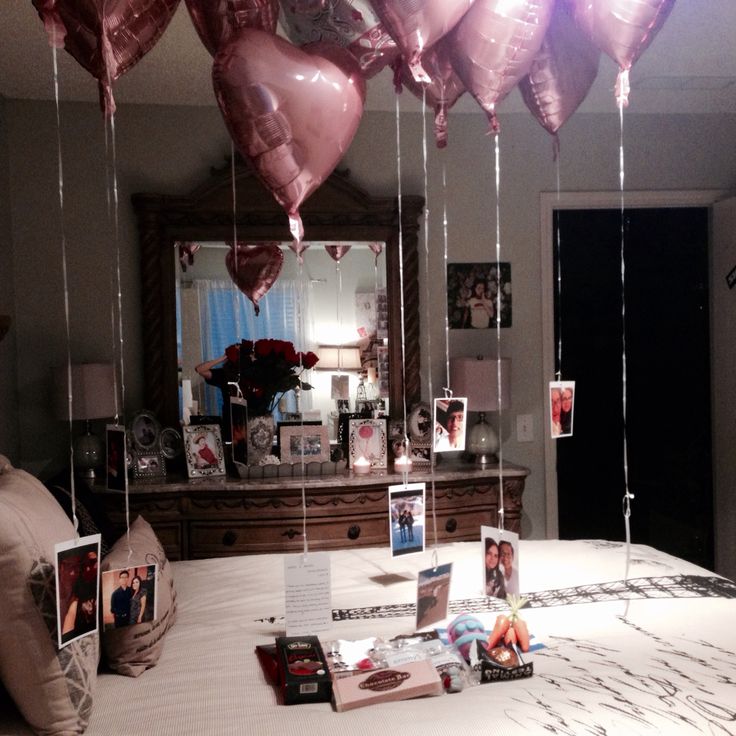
point(310, 443)
point(367, 438)
point(204, 450)
point(149, 465)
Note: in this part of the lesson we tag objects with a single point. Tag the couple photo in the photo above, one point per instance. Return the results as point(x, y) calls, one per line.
point(129, 595)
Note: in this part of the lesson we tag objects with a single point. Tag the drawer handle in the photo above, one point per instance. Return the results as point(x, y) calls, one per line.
point(354, 532)
point(450, 525)
point(229, 538)
point(291, 533)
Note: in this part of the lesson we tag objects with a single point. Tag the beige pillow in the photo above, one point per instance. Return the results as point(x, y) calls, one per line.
point(133, 649)
point(52, 688)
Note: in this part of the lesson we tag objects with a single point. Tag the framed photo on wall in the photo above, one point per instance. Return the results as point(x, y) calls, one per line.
point(203, 449)
point(473, 294)
point(309, 442)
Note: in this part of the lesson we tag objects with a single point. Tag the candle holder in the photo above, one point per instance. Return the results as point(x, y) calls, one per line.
point(361, 466)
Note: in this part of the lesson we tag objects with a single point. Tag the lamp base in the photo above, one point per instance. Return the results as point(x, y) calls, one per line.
point(483, 442)
point(88, 454)
point(486, 458)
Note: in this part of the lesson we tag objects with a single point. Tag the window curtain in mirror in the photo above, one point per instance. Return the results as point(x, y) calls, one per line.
point(226, 316)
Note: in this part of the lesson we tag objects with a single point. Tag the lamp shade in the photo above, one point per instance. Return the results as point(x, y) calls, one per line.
point(477, 378)
point(338, 358)
point(92, 391)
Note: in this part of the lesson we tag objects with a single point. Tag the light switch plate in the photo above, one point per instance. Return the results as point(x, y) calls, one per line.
point(525, 428)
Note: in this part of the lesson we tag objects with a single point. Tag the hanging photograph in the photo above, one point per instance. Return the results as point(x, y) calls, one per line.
point(77, 587)
point(433, 594)
point(203, 447)
point(129, 596)
point(406, 518)
point(561, 405)
point(117, 475)
point(473, 291)
point(500, 549)
point(449, 424)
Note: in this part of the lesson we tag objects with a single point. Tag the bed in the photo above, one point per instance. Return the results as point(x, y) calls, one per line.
point(653, 654)
point(668, 666)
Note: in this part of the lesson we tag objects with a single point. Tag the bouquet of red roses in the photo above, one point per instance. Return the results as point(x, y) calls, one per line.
point(268, 369)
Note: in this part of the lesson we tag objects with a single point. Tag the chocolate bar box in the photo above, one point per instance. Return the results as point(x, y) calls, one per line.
point(303, 673)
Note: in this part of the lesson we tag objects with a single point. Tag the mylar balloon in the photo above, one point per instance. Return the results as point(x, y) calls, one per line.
point(494, 45)
point(352, 24)
point(291, 112)
point(106, 38)
point(254, 269)
point(442, 92)
point(215, 20)
point(416, 25)
point(623, 29)
point(336, 252)
point(562, 72)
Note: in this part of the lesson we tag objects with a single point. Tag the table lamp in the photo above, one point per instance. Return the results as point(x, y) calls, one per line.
point(477, 378)
point(92, 398)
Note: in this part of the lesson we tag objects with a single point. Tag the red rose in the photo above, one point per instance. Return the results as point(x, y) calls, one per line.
point(232, 353)
point(262, 348)
point(309, 360)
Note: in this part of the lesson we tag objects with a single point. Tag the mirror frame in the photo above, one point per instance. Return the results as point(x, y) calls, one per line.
point(337, 211)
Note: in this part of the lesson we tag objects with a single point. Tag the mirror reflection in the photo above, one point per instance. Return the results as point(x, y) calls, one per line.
point(334, 305)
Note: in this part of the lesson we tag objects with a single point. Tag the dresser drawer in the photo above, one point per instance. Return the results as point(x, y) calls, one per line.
point(216, 539)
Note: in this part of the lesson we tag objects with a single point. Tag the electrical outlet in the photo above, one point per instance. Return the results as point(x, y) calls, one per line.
point(525, 428)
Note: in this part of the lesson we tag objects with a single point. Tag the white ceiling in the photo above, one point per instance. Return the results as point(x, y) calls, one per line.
point(690, 67)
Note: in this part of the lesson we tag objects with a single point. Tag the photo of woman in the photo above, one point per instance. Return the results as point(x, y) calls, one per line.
point(449, 424)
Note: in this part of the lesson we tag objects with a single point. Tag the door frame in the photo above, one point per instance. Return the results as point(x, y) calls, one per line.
point(549, 202)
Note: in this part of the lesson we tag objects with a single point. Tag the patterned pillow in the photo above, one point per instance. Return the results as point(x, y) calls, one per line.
point(52, 688)
point(133, 649)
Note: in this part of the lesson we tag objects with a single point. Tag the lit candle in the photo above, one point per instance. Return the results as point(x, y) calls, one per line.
point(361, 466)
point(402, 464)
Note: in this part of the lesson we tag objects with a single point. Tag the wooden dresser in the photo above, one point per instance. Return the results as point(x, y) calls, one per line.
point(215, 517)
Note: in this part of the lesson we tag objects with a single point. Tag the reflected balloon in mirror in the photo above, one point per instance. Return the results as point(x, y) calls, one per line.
point(336, 252)
point(106, 38)
point(254, 269)
point(291, 112)
point(215, 21)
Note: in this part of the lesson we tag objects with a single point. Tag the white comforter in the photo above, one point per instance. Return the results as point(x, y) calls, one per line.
point(668, 667)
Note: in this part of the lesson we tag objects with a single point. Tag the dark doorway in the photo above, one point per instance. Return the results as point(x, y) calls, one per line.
point(668, 378)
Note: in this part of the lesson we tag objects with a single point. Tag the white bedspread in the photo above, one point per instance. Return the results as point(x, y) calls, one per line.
point(669, 667)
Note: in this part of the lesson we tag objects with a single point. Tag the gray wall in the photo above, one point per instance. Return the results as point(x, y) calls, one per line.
point(165, 149)
point(8, 399)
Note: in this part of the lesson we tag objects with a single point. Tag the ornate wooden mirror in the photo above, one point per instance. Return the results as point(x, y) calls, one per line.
point(337, 212)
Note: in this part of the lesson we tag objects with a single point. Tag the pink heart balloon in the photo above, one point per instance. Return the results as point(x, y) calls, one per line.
point(215, 20)
point(336, 252)
point(494, 45)
point(562, 73)
point(352, 24)
point(416, 25)
point(442, 92)
point(623, 29)
point(291, 112)
point(106, 38)
point(254, 269)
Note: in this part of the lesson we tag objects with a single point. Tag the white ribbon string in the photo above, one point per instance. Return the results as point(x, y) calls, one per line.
point(558, 237)
point(301, 328)
point(427, 302)
point(448, 390)
point(65, 278)
point(401, 283)
point(626, 502)
point(497, 156)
